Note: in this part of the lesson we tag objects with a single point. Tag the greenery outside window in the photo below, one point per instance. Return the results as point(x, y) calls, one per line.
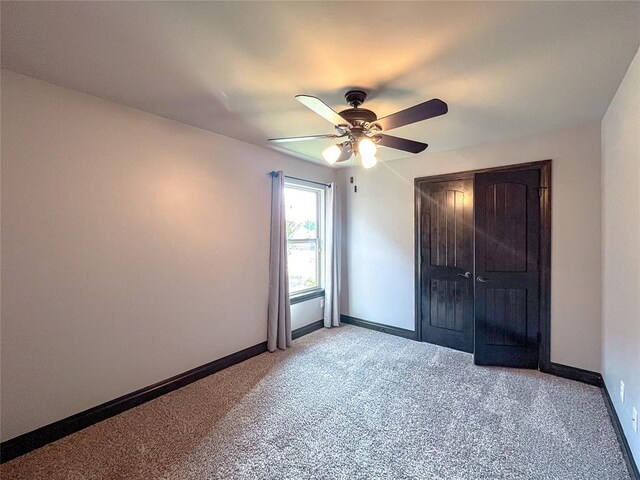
point(304, 204)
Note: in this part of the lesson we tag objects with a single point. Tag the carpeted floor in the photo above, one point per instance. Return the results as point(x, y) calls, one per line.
point(349, 403)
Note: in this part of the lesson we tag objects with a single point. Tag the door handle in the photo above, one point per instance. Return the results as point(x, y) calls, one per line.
point(482, 279)
point(465, 274)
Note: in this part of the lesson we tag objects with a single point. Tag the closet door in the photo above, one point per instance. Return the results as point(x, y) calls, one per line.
point(507, 250)
point(446, 263)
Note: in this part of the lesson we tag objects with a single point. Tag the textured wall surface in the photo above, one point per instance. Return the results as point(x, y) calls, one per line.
point(133, 248)
point(621, 249)
point(378, 276)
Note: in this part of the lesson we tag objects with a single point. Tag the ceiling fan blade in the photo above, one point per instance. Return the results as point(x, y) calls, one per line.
point(422, 111)
point(300, 139)
point(346, 153)
point(322, 109)
point(401, 143)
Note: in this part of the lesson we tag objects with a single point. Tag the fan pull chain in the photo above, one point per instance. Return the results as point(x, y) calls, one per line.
point(352, 178)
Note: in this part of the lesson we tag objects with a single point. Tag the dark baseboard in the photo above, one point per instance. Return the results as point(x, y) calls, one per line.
point(557, 369)
point(29, 441)
point(400, 332)
point(312, 327)
point(573, 373)
point(593, 378)
point(622, 439)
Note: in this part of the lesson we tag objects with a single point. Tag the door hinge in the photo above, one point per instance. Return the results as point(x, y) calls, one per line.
point(540, 191)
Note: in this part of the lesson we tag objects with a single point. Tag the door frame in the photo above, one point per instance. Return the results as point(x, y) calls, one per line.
point(544, 167)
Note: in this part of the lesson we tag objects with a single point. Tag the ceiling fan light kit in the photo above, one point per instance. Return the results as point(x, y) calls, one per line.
point(368, 161)
point(361, 128)
point(332, 154)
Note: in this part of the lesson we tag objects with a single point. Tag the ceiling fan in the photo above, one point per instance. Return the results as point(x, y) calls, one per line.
point(360, 129)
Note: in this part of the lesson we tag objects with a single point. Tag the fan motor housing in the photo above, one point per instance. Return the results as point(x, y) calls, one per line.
point(358, 115)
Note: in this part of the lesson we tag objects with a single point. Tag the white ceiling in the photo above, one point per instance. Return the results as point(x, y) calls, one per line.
point(506, 69)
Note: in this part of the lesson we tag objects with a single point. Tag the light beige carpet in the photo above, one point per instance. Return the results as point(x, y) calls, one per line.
point(349, 403)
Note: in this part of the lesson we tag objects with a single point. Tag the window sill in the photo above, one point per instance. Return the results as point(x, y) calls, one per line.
point(303, 297)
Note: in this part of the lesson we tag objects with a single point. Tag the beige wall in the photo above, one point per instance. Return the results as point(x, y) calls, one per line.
point(378, 276)
point(621, 249)
point(122, 263)
point(133, 249)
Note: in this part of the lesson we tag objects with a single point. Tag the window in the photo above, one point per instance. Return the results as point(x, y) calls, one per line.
point(304, 215)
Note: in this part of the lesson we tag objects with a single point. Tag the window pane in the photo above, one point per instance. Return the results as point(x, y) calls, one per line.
point(301, 213)
point(302, 265)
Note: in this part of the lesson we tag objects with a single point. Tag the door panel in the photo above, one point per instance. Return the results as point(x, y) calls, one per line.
point(447, 305)
point(447, 227)
point(446, 247)
point(507, 228)
point(506, 308)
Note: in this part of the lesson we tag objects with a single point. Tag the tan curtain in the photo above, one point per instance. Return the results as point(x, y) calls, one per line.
point(279, 314)
point(332, 259)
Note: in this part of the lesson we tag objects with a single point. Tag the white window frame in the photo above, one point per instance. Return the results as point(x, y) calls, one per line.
point(319, 240)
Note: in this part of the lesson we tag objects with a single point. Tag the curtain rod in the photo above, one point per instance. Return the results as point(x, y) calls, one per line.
point(273, 173)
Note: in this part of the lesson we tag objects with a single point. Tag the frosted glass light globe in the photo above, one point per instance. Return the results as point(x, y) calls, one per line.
point(332, 154)
point(368, 161)
point(367, 148)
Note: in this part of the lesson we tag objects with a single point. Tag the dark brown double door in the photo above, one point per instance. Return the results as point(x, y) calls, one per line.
point(479, 265)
